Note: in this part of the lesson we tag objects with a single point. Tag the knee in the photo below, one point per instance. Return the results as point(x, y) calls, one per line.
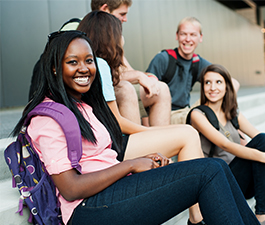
point(258, 142)
point(224, 165)
point(164, 91)
point(207, 167)
point(189, 135)
point(192, 133)
point(260, 137)
point(125, 91)
point(221, 162)
point(214, 165)
point(124, 87)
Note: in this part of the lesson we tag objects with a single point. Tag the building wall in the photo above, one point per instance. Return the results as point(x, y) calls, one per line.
point(229, 38)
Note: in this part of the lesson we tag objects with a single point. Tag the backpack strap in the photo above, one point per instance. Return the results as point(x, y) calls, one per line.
point(73, 20)
point(171, 67)
point(194, 68)
point(235, 123)
point(69, 124)
point(173, 63)
point(210, 115)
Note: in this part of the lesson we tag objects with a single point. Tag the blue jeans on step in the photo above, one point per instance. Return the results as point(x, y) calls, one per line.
point(250, 175)
point(154, 196)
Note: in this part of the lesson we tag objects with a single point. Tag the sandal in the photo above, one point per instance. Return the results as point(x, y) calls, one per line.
point(200, 223)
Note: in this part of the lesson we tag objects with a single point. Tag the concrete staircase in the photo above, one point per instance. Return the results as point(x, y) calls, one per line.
point(251, 105)
point(253, 108)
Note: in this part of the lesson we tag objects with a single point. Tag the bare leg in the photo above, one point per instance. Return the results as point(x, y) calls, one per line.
point(181, 140)
point(195, 215)
point(127, 101)
point(261, 218)
point(160, 106)
point(145, 121)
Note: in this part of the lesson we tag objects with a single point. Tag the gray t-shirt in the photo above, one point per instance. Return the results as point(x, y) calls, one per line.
point(179, 88)
point(218, 152)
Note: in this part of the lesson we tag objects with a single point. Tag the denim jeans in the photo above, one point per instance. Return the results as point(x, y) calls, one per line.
point(155, 196)
point(250, 175)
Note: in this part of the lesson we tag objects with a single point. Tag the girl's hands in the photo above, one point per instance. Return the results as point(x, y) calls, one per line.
point(148, 162)
point(159, 159)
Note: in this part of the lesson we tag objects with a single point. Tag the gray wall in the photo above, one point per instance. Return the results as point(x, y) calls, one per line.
point(229, 38)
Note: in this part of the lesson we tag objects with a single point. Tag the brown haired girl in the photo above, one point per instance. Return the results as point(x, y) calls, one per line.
point(246, 162)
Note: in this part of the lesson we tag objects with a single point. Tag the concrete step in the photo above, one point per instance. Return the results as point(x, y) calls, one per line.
point(5, 172)
point(261, 126)
point(9, 205)
point(8, 119)
point(251, 101)
point(252, 106)
point(255, 115)
point(182, 218)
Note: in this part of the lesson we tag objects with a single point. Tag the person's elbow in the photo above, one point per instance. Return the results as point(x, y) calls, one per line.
point(68, 185)
point(70, 195)
point(225, 144)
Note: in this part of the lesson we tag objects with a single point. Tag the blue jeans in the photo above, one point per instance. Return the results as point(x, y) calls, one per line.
point(250, 175)
point(155, 196)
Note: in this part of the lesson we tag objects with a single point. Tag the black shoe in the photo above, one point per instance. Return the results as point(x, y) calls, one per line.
point(200, 223)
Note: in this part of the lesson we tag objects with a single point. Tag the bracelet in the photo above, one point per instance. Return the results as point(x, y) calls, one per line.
point(152, 75)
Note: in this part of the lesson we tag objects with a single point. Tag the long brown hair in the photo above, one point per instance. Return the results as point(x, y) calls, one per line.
point(229, 105)
point(105, 32)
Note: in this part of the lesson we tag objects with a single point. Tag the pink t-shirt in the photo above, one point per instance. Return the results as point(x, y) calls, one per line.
point(49, 140)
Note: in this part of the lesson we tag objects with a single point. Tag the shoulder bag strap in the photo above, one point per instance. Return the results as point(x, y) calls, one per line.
point(69, 124)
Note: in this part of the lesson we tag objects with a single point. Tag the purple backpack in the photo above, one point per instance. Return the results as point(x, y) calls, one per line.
point(36, 187)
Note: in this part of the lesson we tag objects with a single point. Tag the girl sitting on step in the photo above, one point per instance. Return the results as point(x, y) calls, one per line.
point(247, 163)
